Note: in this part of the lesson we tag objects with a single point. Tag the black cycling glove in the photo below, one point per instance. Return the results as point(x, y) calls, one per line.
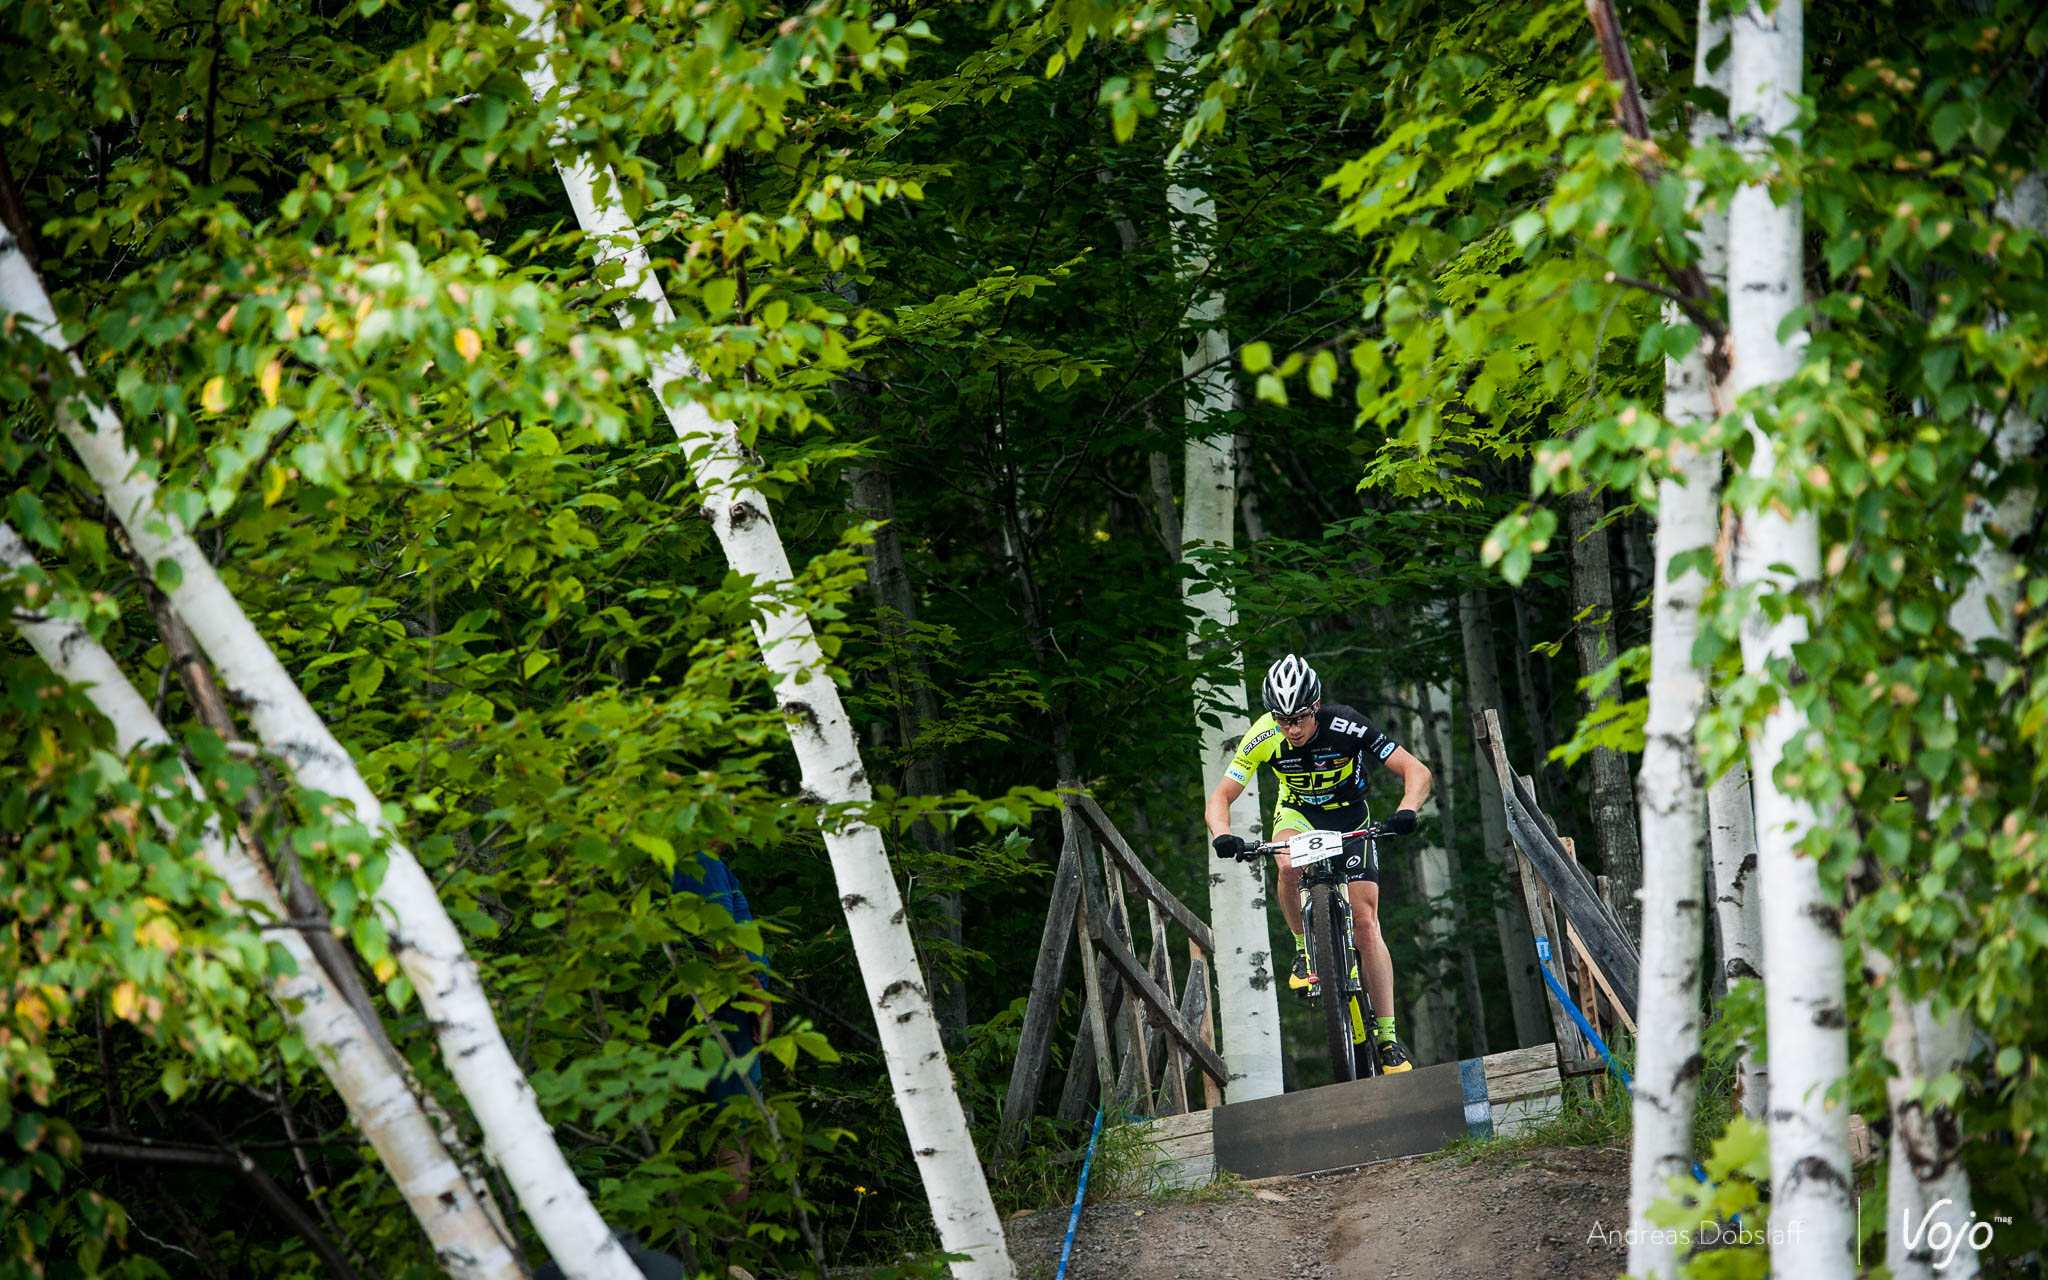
point(1228, 846)
point(1402, 823)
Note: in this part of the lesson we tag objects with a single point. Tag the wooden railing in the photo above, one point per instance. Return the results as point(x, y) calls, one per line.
point(1137, 1039)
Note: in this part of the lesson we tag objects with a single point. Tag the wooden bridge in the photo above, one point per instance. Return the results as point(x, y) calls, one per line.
point(1138, 1040)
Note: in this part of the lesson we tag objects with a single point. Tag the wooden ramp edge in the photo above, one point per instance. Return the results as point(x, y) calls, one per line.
point(1340, 1126)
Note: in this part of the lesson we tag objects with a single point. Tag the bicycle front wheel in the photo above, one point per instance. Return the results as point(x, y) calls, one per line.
point(1331, 953)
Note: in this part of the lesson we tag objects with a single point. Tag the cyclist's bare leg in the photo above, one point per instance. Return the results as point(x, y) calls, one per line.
point(1376, 965)
point(1290, 884)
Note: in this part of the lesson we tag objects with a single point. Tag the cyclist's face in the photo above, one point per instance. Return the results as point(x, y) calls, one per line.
point(1303, 728)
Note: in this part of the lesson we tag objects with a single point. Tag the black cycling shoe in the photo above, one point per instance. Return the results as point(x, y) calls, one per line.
point(1301, 980)
point(1393, 1058)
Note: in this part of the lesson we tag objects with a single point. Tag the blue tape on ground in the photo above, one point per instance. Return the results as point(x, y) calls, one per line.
point(1478, 1104)
point(1080, 1194)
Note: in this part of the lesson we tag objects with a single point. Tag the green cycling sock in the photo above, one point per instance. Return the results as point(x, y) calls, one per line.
point(1383, 1030)
point(1300, 942)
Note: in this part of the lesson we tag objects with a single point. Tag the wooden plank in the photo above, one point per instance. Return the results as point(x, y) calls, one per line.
point(1527, 1084)
point(1198, 987)
point(1513, 1061)
point(1080, 1092)
point(1142, 880)
point(1139, 983)
point(1573, 1043)
point(1042, 1009)
point(1179, 1174)
point(1610, 946)
point(1569, 1043)
point(1342, 1125)
point(1511, 1118)
point(1134, 1077)
point(1180, 1126)
point(1089, 921)
point(1174, 1088)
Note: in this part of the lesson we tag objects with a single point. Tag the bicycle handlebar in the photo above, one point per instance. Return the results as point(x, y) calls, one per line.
point(1374, 832)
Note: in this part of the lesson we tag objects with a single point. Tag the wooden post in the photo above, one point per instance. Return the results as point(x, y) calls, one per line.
point(1042, 1010)
point(1571, 1045)
point(1198, 982)
point(1174, 1093)
point(1090, 922)
point(1134, 1081)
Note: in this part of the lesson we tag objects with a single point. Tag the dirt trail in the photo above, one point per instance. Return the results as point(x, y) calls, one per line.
point(1521, 1216)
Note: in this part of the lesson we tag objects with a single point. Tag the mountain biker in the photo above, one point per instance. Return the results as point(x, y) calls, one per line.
point(1319, 753)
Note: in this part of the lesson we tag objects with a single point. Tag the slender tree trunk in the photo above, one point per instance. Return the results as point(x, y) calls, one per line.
point(1593, 632)
point(378, 1098)
point(1246, 1000)
point(1731, 825)
point(1435, 1001)
point(1532, 683)
point(1517, 942)
point(916, 705)
point(827, 754)
point(1443, 749)
point(1803, 982)
point(425, 941)
point(1164, 512)
point(1671, 787)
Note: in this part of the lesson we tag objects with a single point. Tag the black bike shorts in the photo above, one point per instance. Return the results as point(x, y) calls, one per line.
point(1361, 860)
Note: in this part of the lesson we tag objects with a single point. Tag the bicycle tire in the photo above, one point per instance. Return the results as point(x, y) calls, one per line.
point(1366, 1054)
point(1329, 956)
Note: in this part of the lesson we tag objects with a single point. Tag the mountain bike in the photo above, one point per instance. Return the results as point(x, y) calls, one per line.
point(1332, 947)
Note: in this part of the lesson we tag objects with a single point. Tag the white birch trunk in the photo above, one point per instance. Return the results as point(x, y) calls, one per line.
point(1928, 1188)
point(1670, 785)
point(1803, 980)
point(827, 753)
point(1247, 998)
point(379, 1099)
point(1731, 825)
point(424, 941)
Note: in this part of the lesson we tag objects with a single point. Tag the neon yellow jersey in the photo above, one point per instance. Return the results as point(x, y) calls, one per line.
point(1323, 777)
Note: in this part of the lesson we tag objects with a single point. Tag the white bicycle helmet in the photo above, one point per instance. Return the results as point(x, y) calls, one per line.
point(1291, 687)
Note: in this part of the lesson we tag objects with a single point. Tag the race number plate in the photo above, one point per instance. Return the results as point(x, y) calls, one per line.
point(1311, 847)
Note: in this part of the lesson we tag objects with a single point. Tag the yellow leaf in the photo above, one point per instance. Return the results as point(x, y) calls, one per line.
point(159, 933)
point(273, 373)
point(295, 319)
point(127, 1001)
point(468, 343)
point(213, 397)
point(385, 969)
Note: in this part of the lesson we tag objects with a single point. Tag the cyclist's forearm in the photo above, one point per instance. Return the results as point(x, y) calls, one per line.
point(1416, 783)
point(1217, 812)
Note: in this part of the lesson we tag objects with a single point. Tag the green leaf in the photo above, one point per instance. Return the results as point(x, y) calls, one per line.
point(1257, 357)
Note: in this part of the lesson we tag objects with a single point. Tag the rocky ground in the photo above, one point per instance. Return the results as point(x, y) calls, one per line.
point(1520, 1215)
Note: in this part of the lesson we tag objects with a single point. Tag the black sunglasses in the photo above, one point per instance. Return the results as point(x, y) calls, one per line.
point(1288, 722)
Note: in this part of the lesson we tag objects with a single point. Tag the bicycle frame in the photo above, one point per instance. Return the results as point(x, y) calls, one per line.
point(1332, 943)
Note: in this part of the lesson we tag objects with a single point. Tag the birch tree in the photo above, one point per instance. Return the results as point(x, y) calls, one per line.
point(1731, 833)
point(1928, 1191)
point(1246, 990)
point(1670, 784)
point(827, 753)
point(1777, 552)
point(425, 941)
point(466, 1241)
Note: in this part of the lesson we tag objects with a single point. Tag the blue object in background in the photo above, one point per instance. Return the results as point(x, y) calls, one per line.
point(710, 879)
